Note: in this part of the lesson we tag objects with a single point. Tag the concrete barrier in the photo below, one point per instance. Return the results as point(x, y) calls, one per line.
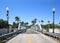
point(54, 35)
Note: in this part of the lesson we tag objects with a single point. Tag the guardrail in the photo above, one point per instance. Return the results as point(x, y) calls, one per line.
point(54, 35)
point(8, 35)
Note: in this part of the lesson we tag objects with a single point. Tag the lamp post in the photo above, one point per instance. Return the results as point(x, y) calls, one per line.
point(7, 12)
point(53, 11)
point(48, 26)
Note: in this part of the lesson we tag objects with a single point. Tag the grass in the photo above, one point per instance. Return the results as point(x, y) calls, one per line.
point(1, 41)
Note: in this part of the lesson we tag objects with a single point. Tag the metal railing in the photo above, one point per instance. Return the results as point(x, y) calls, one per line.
point(8, 35)
point(54, 35)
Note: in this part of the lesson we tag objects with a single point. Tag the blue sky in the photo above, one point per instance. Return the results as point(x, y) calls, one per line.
point(27, 10)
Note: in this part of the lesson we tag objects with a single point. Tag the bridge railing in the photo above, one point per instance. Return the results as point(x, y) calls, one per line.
point(55, 35)
point(8, 35)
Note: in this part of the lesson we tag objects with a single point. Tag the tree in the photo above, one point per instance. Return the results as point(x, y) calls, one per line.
point(26, 24)
point(3, 23)
point(22, 23)
point(34, 21)
point(17, 19)
point(59, 24)
point(14, 23)
point(48, 21)
point(42, 21)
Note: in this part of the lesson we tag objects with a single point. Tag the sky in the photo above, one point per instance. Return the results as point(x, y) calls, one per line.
point(27, 10)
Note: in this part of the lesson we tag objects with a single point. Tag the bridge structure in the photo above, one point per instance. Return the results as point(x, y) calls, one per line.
point(32, 35)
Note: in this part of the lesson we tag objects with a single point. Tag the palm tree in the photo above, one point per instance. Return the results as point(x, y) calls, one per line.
point(1, 20)
point(42, 21)
point(26, 24)
point(59, 24)
point(17, 19)
point(34, 21)
point(13, 23)
point(48, 21)
point(22, 23)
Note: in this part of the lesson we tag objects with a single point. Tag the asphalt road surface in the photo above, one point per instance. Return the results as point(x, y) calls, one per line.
point(31, 36)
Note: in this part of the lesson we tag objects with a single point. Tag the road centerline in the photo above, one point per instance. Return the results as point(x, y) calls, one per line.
point(30, 39)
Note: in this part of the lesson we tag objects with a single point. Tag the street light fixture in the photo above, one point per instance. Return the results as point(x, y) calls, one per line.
point(53, 11)
point(7, 12)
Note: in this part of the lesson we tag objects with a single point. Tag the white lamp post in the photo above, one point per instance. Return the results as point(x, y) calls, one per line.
point(7, 12)
point(53, 11)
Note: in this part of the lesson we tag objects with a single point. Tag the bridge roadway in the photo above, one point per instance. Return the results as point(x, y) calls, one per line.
point(31, 36)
